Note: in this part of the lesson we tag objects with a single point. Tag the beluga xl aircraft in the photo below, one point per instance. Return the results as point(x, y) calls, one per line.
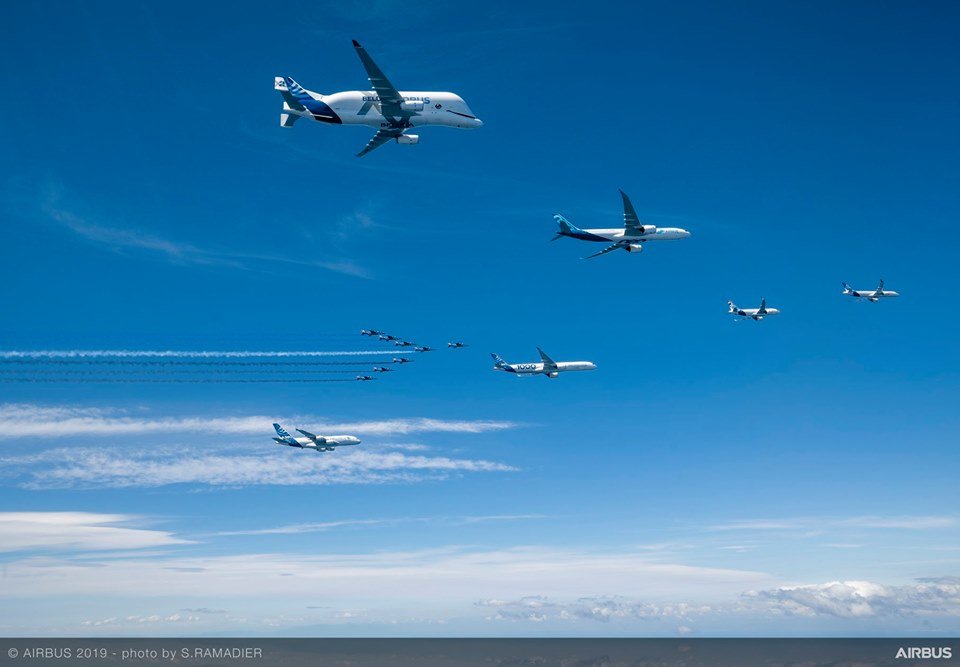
point(755, 314)
point(871, 295)
point(547, 366)
point(630, 237)
point(390, 111)
point(320, 443)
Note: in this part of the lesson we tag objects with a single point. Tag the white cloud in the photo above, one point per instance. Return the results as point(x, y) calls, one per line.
point(21, 420)
point(852, 599)
point(76, 531)
point(299, 528)
point(113, 468)
point(539, 608)
point(813, 525)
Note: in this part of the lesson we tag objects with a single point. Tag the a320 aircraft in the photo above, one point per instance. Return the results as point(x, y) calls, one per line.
point(756, 314)
point(630, 238)
point(392, 112)
point(547, 366)
point(870, 295)
point(321, 443)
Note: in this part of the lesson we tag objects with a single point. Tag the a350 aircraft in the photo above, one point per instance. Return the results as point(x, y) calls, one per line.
point(870, 295)
point(547, 366)
point(390, 111)
point(320, 443)
point(630, 238)
point(756, 314)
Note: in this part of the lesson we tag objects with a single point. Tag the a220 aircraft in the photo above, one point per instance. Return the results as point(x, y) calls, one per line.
point(756, 314)
point(870, 295)
point(390, 111)
point(547, 366)
point(321, 443)
point(630, 238)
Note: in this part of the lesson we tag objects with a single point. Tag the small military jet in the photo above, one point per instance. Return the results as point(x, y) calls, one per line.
point(364, 378)
point(403, 343)
point(423, 348)
point(381, 369)
point(386, 337)
point(547, 366)
point(630, 238)
point(755, 314)
point(370, 332)
point(401, 360)
point(390, 111)
point(320, 443)
point(870, 295)
point(456, 344)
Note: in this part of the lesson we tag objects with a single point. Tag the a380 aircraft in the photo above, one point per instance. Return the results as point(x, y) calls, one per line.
point(321, 443)
point(756, 314)
point(547, 366)
point(630, 238)
point(870, 295)
point(392, 112)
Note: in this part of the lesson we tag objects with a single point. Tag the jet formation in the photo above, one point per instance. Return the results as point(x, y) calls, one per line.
point(390, 111)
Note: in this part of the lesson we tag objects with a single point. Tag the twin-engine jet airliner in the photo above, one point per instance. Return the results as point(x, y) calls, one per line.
point(392, 112)
point(547, 366)
point(320, 443)
point(756, 314)
point(870, 295)
point(630, 238)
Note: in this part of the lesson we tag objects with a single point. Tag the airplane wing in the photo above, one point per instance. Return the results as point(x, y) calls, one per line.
point(379, 139)
point(879, 291)
point(615, 246)
point(390, 98)
point(548, 363)
point(310, 435)
point(631, 223)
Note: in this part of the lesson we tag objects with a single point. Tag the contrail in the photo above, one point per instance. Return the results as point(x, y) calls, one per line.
point(171, 380)
point(183, 354)
point(174, 371)
point(39, 361)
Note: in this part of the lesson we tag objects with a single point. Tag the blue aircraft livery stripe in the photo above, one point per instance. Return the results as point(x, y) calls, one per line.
point(320, 110)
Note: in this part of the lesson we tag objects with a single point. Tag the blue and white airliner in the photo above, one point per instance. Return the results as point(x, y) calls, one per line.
point(547, 366)
point(871, 295)
point(390, 111)
point(630, 237)
point(319, 443)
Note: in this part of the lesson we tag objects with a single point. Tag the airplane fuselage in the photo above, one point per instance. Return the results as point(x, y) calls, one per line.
point(538, 368)
point(362, 107)
point(322, 443)
point(871, 295)
point(754, 313)
point(619, 234)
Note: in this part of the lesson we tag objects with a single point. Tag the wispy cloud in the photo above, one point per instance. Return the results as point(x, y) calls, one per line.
point(20, 420)
point(77, 531)
point(110, 468)
point(179, 252)
point(299, 528)
point(538, 608)
point(812, 526)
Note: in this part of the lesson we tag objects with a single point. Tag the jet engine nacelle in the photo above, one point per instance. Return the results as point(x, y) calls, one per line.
point(411, 105)
point(634, 247)
point(553, 375)
point(408, 139)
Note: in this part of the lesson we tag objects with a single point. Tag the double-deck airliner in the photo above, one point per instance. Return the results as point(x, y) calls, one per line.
point(547, 366)
point(390, 111)
point(630, 237)
point(871, 295)
point(320, 443)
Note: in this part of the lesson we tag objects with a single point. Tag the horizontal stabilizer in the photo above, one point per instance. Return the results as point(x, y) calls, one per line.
point(287, 120)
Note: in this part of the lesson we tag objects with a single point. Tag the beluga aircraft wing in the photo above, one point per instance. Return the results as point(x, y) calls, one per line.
point(379, 139)
point(391, 103)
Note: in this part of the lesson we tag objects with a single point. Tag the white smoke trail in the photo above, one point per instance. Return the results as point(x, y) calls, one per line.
point(187, 354)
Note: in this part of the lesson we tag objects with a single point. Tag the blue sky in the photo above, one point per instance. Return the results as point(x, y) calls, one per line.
point(716, 478)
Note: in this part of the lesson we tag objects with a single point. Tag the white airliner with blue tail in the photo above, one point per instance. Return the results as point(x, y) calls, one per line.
point(547, 366)
point(320, 443)
point(755, 314)
point(871, 295)
point(390, 111)
point(630, 237)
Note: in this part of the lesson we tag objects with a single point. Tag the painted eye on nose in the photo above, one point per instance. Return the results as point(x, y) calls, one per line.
point(438, 106)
